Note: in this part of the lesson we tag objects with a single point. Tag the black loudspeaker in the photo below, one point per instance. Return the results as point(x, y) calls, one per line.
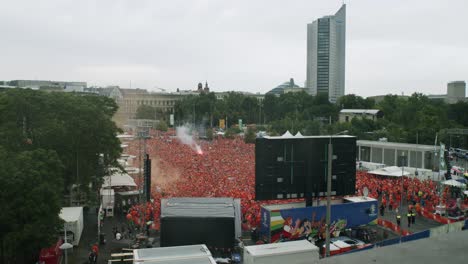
point(296, 167)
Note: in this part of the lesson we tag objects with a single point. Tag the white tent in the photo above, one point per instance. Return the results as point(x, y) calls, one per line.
point(298, 134)
point(287, 135)
point(454, 183)
point(73, 218)
point(392, 171)
point(118, 179)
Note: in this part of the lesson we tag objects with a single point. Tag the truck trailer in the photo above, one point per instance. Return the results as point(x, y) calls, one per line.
point(293, 252)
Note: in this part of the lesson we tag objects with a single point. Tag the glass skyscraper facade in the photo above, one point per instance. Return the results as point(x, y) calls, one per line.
point(326, 55)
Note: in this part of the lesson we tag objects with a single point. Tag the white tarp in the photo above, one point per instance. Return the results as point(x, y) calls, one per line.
point(118, 179)
point(392, 171)
point(125, 136)
point(298, 134)
point(73, 217)
point(287, 135)
point(454, 183)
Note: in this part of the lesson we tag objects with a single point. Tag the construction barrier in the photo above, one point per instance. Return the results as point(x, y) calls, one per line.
point(455, 227)
point(444, 229)
point(416, 236)
point(438, 218)
point(388, 242)
point(367, 247)
point(437, 231)
point(392, 226)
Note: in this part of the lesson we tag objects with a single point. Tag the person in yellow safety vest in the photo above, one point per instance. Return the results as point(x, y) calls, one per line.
point(408, 215)
point(413, 217)
point(398, 219)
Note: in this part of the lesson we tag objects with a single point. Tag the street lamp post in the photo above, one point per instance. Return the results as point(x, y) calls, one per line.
point(329, 183)
point(329, 178)
point(65, 246)
point(402, 164)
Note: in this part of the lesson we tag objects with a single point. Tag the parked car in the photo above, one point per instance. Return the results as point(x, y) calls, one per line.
point(343, 244)
point(348, 240)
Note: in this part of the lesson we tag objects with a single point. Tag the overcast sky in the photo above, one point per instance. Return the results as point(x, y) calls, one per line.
point(393, 46)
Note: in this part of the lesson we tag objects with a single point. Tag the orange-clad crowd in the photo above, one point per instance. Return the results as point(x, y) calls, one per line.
point(224, 168)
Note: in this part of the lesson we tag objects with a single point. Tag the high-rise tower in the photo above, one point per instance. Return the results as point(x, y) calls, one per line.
point(326, 41)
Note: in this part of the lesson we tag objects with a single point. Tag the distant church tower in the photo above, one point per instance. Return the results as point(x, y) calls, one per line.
point(200, 88)
point(207, 89)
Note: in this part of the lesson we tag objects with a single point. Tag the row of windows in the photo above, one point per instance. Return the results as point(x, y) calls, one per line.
point(150, 102)
point(133, 109)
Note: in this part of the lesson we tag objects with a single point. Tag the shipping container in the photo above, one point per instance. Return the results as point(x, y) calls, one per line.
point(195, 253)
point(293, 252)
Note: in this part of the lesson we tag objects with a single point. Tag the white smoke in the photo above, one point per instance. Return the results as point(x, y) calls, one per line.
point(184, 136)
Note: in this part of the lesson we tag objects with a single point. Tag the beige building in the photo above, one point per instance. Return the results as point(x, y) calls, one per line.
point(221, 95)
point(456, 92)
point(346, 115)
point(130, 99)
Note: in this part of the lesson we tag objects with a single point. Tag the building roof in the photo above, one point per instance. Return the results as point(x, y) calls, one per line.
point(395, 145)
point(198, 207)
point(290, 136)
point(360, 111)
point(392, 171)
point(118, 179)
point(286, 85)
point(133, 91)
point(71, 214)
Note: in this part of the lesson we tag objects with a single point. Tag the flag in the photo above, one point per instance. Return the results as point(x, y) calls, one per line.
point(442, 157)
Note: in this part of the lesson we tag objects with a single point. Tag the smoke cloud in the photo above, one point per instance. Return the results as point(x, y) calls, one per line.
point(184, 136)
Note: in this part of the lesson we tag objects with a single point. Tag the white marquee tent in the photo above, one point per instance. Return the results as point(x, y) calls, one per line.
point(454, 183)
point(118, 179)
point(392, 171)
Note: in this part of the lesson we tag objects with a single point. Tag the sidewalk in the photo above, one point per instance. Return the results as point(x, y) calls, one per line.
point(89, 237)
point(421, 223)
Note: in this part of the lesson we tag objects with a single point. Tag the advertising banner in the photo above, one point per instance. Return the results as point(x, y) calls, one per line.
point(309, 222)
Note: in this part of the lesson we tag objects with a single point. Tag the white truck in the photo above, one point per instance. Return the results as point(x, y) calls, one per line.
point(293, 252)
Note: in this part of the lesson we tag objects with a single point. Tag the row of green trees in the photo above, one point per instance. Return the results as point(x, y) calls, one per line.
point(48, 142)
point(414, 119)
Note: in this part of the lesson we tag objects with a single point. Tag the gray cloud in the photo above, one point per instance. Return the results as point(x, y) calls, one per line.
point(393, 46)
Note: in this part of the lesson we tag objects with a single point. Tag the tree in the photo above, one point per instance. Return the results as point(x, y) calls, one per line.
point(209, 134)
point(145, 112)
point(77, 127)
point(31, 193)
point(352, 101)
point(161, 126)
point(250, 135)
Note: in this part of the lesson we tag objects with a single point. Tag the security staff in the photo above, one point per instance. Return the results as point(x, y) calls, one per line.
point(408, 215)
point(398, 219)
point(413, 217)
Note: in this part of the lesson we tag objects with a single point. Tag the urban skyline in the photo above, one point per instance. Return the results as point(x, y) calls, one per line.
point(235, 46)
